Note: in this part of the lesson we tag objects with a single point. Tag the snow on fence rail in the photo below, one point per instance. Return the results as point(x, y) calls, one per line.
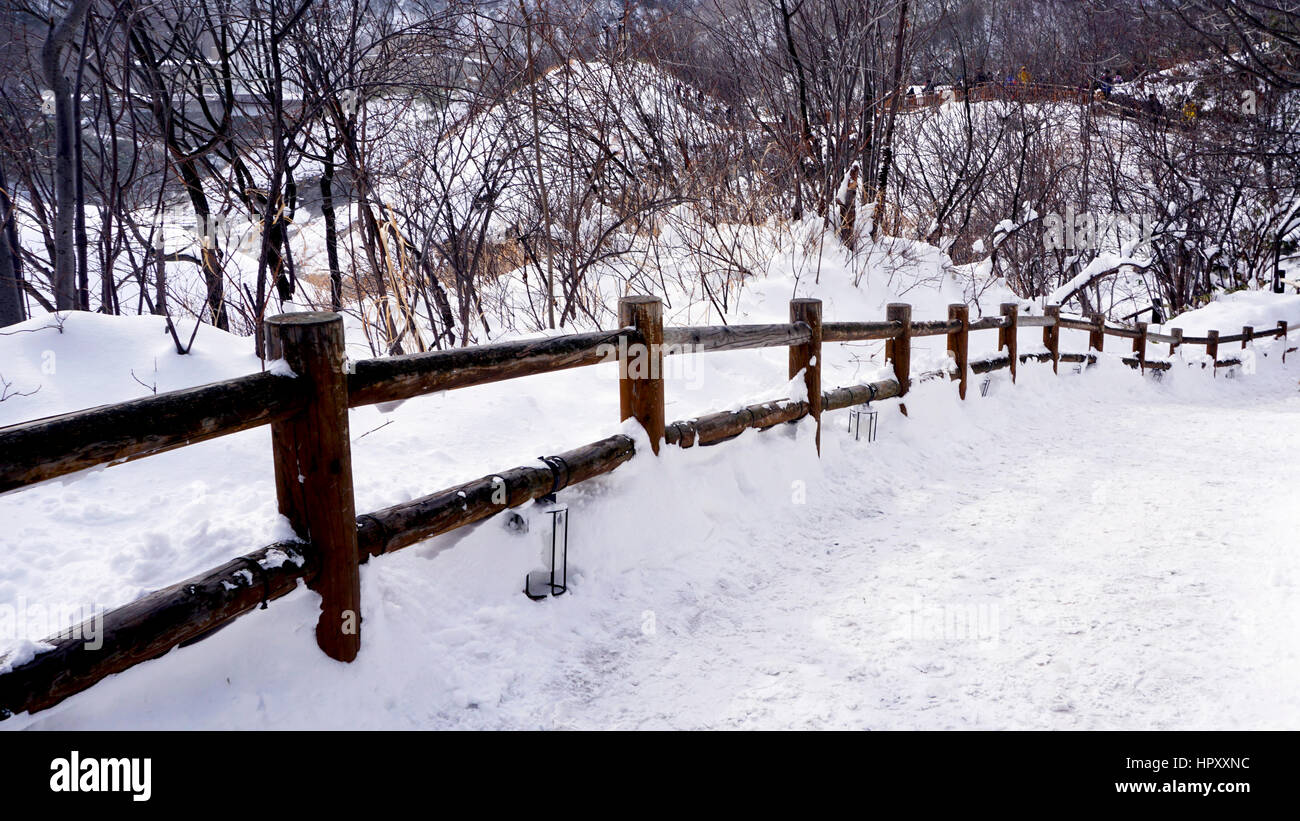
point(307, 411)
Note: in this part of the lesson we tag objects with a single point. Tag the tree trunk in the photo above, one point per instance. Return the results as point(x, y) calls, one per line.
point(160, 283)
point(65, 126)
point(12, 307)
point(80, 237)
point(887, 152)
point(212, 273)
point(542, 195)
point(331, 230)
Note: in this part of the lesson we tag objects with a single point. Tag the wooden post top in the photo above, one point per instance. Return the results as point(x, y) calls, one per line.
point(899, 312)
point(806, 310)
point(642, 311)
point(305, 318)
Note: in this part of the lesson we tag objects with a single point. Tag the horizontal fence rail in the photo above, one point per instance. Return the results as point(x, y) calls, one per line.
point(860, 331)
point(988, 323)
point(306, 406)
point(935, 327)
point(402, 377)
point(58, 445)
point(734, 337)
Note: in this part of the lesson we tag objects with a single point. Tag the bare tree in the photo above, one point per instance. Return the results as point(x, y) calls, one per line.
point(66, 138)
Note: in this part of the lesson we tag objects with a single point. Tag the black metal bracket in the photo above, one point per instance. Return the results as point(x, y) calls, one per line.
point(559, 473)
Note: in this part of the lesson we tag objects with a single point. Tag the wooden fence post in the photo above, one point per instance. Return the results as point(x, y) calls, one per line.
point(1247, 335)
point(313, 471)
point(1212, 348)
point(1052, 334)
point(959, 344)
point(898, 349)
point(1177, 334)
point(1281, 334)
point(640, 377)
point(1097, 336)
point(1007, 334)
point(1140, 346)
point(808, 358)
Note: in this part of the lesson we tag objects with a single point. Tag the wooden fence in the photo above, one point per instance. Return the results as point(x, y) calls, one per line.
point(307, 410)
point(1041, 93)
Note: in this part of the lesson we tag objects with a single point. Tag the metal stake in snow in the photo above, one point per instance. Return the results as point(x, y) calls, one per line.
point(553, 578)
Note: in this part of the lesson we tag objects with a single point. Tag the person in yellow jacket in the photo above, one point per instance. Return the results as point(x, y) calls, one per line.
point(1023, 76)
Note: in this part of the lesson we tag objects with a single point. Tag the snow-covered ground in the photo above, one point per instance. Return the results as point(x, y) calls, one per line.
point(1094, 550)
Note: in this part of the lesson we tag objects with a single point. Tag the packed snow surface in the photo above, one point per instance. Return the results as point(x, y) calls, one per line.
point(1084, 550)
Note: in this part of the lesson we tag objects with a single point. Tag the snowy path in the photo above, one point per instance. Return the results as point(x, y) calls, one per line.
point(1091, 551)
point(1084, 570)
point(1114, 588)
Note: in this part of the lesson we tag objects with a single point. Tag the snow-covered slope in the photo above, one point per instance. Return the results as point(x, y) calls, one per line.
point(1231, 312)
